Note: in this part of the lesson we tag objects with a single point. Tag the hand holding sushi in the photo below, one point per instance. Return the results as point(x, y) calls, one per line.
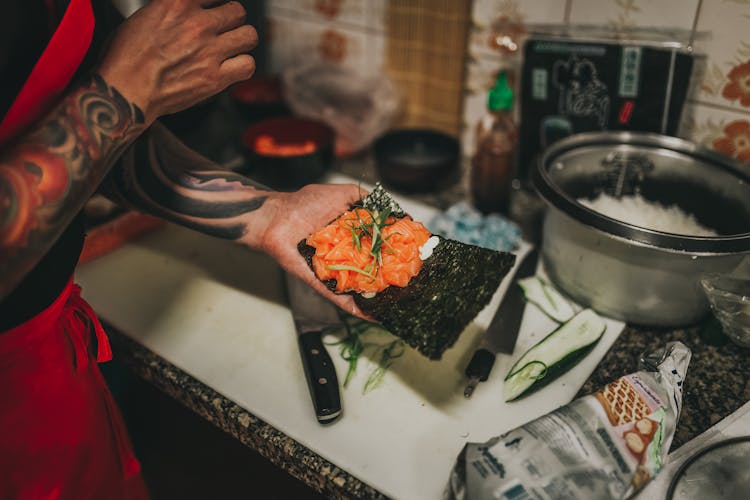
point(420, 287)
point(291, 217)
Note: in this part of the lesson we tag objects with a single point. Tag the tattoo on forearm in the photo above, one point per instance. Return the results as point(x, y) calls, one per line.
point(48, 174)
point(162, 176)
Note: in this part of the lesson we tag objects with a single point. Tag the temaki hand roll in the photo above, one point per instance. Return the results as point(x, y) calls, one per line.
point(423, 288)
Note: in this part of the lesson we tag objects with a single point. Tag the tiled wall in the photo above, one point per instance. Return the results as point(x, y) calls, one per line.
point(347, 32)
point(721, 102)
point(717, 113)
point(352, 32)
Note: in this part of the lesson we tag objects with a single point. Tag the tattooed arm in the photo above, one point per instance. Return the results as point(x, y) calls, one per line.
point(169, 55)
point(47, 176)
point(162, 176)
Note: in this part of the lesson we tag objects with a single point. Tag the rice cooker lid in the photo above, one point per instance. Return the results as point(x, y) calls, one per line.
point(618, 163)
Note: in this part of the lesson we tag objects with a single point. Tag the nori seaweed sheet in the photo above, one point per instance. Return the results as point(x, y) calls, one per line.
point(455, 283)
point(379, 199)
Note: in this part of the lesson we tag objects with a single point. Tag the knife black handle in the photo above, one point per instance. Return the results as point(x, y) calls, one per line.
point(321, 377)
point(480, 365)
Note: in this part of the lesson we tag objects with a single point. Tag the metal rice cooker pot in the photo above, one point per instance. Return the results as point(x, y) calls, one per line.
point(634, 273)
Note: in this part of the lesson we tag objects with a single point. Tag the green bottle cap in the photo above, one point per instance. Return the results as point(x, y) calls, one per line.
point(501, 95)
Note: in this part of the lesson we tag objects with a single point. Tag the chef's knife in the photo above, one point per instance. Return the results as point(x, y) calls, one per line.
point(503, 331)
point(312, 315)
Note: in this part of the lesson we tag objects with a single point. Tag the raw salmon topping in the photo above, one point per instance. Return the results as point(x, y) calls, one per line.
point(366, 251)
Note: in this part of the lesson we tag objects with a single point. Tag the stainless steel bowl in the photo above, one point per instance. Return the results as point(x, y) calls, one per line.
point(629, 272)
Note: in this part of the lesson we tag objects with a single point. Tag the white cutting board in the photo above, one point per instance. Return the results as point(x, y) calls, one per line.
point(218, 312)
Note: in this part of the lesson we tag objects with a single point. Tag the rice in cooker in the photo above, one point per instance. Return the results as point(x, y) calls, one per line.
point(638, 211)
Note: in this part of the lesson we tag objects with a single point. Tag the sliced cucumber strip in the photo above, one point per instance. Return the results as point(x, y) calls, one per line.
point(554, 354)
point(547, 298)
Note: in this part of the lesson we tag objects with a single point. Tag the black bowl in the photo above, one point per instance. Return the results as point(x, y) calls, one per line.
point(417, 159)
point(302, 152)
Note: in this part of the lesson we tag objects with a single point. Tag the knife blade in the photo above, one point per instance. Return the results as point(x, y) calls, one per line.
point(502, 333)
point(312, 315)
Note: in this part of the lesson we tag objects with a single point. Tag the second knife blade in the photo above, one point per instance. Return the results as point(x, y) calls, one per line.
point(503, 331)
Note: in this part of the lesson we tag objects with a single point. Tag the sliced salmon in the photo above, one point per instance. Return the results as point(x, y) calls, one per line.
point(343, 252)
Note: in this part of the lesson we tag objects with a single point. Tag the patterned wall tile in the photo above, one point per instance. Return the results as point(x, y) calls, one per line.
point(726, 77)
point(532, 11)
point(348, 32)
point(723, 130)
point(295, 41)
point(353, 13)
point(623, 14)
point(516, 13)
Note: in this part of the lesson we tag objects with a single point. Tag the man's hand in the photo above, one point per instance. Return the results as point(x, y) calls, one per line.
point(172, 54)
point(292, 217)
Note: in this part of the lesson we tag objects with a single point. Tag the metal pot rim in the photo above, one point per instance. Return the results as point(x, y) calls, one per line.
point(552, 194)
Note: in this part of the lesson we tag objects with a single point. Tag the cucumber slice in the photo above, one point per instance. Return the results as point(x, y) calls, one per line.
point(554, 354)
point(547, 298)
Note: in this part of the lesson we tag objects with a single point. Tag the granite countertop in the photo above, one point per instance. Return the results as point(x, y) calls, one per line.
point(718, 382)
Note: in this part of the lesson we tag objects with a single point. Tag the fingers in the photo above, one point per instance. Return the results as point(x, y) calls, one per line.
point(344, 302)
point(227, 16)
point(237, 68)
point(348, 305)
point(237, 41)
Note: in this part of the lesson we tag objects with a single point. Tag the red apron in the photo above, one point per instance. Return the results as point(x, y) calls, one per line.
point(61, 434)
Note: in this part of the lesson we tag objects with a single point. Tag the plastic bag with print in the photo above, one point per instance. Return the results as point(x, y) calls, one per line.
point(605, 445)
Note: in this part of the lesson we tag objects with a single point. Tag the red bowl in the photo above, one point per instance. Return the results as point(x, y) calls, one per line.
point(288, 153)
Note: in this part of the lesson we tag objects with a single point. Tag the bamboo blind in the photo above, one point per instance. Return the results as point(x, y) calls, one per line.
point(425, 57)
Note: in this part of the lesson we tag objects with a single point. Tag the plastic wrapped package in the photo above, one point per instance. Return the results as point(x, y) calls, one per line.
point(359, 108)
point(729, 296)
point(605, 445)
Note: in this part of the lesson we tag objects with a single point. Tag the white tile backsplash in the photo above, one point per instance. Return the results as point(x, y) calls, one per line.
point(529, 11)
point(349, 32)
point(296, 41)
point(621, 14)
point(352, 13)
